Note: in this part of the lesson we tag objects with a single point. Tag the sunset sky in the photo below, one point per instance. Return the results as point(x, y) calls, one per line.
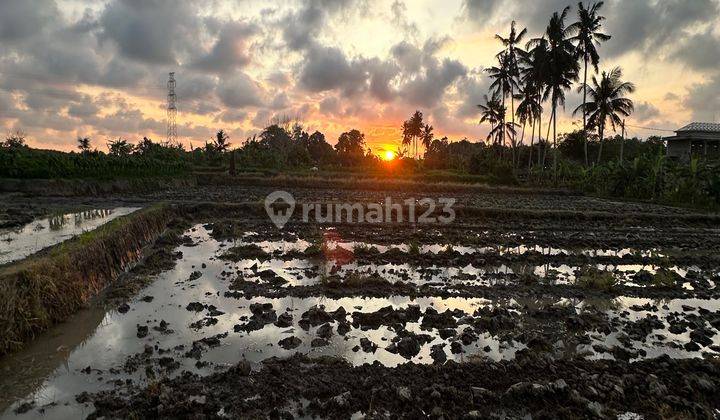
point(99, 68)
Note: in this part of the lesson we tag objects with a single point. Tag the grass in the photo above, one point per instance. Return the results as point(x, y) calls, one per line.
point(592, 278)
point(664, 278)
point(414, 248)
point(45, 289)
point(246, 251)
point(371, 184)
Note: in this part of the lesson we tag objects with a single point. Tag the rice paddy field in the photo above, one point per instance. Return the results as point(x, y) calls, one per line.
point(544, 304)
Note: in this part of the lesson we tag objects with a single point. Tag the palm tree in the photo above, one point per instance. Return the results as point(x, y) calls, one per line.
point(607, 102)
point(511, 53)
point(221, 141)
point(528, 110)
point(83, 144)
point(588, 38)
point(412, 131)
point(534, 70)
point(427, 136)
point(503, 83)
point(490, 112)
point(562, 69)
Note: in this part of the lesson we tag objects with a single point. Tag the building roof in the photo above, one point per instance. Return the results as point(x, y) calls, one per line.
point(701, 127)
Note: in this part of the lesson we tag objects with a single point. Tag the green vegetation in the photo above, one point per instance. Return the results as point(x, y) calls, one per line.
point(146, 159)
point(43, 290)
point(664, 278)
point(414, 248)
point(592, 278)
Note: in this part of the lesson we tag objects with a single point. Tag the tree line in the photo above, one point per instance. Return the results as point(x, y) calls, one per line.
point(539, 73)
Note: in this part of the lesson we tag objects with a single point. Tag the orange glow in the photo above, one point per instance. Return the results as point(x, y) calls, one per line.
point(388, 155)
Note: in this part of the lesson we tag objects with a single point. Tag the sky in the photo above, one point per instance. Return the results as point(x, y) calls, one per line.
point(72, 68)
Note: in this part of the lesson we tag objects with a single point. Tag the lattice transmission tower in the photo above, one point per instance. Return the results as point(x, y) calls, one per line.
point(171, 110)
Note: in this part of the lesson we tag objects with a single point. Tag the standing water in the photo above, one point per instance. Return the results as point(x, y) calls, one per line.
point(42, 233)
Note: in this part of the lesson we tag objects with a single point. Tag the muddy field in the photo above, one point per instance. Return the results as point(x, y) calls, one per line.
point(550, 305)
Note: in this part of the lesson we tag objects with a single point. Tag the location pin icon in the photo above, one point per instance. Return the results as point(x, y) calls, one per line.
point(280, 205)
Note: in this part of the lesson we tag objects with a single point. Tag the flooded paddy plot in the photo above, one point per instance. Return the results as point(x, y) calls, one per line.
point(19, 243)
point(192, 318)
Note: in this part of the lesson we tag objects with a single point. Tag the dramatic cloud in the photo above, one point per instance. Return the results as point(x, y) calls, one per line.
point(327, 68)
point(700, 51)
point(231, 50)
point(154, 31)
point(100, 68)
point(703, 99)
point(240, 91)
point(645, 111)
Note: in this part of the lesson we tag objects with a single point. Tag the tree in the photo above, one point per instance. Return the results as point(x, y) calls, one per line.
point(588, 38)
point(120, 148)
point(220, 142)
point(491, 112)
point(427, 136)
point(503, 83)
point(607, 102)
point(321, 152)
point(528, 110)
point(412, 131)
point(351, 147)
point(13, 141)
point(533, 71)
point(561, 70)
point(511, 53)
point(83, 144)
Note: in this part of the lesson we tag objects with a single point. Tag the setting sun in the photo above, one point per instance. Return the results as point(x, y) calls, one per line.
point(388, 155)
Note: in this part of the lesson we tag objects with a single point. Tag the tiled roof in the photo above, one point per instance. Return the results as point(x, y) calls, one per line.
point(701, 127)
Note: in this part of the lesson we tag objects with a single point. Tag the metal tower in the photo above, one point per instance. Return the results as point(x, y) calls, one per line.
point(171, 110)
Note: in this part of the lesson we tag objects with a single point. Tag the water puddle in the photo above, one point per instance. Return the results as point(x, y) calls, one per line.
point(16, 244)
point(185, 321)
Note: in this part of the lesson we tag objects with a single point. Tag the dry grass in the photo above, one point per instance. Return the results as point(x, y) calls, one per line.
point(45, 289)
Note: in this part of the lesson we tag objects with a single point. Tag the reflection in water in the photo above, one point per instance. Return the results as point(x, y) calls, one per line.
point(181, 334)
point(42, 233)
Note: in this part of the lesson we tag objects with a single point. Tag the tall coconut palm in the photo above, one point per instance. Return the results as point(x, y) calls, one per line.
point(534, 68)
point(511, 52)
point(607, 102)
point(503, 83)
point(490, 112)
point(588, 38)
point(412, 131)
point(427, 136)
point(562, 69)
point(528, 110)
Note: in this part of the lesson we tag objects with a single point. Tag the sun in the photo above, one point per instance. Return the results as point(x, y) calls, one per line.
point(388, 155)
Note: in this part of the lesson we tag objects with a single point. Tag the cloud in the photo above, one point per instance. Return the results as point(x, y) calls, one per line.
point(700, 51)
point(645, 111)
point(240, 91)
point(327, 68)
point(480, 11)
point(84, 109)
point(300, 27)
point(473, 87)
point(278, 79)
point(25, 18)
point(703, 99)
point(280, 101)
point(650, 26)
point(231, 49)
point(428, 87)
point(330, 105)
point(154, 31)
point(232, 116)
